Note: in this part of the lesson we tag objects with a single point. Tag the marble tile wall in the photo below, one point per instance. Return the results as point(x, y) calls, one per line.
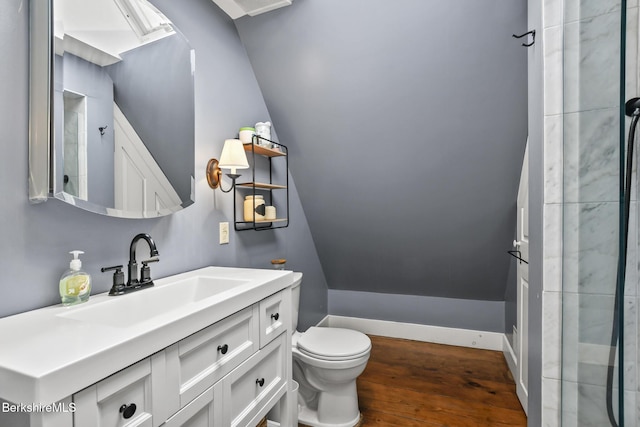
point(582, 59)
point(552, 212)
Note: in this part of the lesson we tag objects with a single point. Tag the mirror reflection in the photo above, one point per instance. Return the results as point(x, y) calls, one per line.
point(123, 109)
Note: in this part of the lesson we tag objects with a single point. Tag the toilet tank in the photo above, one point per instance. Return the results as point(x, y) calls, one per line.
point(295, 299)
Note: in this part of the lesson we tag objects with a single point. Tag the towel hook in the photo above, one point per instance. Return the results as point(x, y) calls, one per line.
point(102, 129)
point(518, 255)
point(533, 37)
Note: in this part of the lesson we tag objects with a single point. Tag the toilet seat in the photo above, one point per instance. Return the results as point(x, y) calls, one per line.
point(333, 344)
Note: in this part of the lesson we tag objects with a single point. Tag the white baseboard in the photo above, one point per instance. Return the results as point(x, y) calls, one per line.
point(510, 356)
point(434, 334)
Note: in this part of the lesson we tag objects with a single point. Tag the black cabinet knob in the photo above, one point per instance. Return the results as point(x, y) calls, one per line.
point(260, 382)
point(223, 349)
point(127, 411)
point(275, 316)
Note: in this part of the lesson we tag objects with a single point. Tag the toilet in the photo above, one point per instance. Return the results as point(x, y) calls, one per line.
point(326, 363)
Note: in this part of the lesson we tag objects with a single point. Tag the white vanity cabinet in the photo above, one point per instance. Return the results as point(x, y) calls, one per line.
point(228, 374)
point(243, 396)
point(227, 364)
point(245, 359)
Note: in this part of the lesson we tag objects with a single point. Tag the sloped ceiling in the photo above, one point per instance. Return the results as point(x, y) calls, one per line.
point(406, 123)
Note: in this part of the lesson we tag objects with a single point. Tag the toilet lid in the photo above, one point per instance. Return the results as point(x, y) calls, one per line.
point(334, 343)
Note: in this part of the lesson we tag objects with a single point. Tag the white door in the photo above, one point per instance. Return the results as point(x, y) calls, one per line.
point(522, 295)
point(139, 183)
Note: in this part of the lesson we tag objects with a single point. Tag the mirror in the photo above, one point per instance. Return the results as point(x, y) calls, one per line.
point(111, 109)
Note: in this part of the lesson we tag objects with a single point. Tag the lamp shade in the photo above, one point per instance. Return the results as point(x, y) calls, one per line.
point(233, 156)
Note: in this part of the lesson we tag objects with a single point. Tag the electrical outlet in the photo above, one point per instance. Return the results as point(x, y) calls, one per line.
point(224, 233)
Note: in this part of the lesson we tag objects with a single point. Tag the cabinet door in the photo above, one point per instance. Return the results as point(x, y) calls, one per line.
point(275, 316)
point(254, 387)
point(203, 411)
point(195, 363)
point(126, 398)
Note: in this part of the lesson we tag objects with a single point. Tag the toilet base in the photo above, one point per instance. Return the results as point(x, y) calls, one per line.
point(309, 417)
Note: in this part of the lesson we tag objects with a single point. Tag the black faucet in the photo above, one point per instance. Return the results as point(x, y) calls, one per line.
point(134, 283)
point(133, 265)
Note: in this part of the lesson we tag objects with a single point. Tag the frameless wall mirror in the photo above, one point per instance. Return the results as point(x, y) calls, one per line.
point(111, 108)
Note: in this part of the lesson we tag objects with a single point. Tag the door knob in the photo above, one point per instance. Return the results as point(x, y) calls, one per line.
point(516, 243)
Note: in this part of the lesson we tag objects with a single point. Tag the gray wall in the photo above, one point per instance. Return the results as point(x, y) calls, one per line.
point(446, 312)
point(151, 85)
point(36, 238)
point(407, 123)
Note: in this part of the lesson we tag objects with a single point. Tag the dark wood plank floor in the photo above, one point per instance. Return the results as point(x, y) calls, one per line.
point(410, 383)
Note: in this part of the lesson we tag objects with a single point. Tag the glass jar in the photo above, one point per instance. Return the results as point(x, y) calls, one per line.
point(278, 264)
point(263, 130)
point(253, 208)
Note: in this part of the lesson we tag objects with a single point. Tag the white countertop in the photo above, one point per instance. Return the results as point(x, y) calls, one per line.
point(47, 354)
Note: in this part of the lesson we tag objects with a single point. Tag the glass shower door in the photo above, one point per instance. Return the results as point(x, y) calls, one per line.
point(599, 320)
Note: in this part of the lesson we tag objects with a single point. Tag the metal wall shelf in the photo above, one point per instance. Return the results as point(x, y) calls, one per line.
point(260, 151)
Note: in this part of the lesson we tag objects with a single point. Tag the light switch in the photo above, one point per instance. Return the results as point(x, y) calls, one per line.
point(224, 233)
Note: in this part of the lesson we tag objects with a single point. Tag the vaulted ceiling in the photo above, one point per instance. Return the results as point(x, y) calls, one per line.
point(406, 123)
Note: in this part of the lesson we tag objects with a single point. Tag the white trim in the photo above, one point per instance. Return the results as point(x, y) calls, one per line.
point(509, 356)
point(426, 333)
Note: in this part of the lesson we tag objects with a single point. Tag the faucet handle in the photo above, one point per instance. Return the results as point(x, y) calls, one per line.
point(118, 279)
point(145, 271)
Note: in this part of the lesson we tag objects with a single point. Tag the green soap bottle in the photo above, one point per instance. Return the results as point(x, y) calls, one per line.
point(75, 284)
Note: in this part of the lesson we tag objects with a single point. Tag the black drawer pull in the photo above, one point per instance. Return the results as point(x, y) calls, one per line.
point(127, 411)
point(223, 349)
point(260, 382)
point(275, 316)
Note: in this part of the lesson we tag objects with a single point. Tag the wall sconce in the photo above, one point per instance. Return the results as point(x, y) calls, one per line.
point(233, 157)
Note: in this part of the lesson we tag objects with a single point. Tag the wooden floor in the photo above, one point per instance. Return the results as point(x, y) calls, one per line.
point(410, 383)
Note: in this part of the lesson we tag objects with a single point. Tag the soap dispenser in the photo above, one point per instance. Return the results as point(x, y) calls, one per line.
point(75, 284)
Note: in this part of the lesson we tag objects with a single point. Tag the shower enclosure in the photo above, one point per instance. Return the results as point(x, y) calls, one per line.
point(600, 356)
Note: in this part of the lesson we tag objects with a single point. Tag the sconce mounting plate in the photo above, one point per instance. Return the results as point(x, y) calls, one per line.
point(213, 173)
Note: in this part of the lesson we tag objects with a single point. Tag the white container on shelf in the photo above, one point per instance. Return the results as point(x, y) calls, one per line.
point(246, 134)
point(253, 205)
point(263, 130)
point(269, 212)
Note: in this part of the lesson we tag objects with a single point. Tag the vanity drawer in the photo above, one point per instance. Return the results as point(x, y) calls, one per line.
point(195, 363)
point(254, 385)
point(275, 316)
point(110, 402)
point(204, 411)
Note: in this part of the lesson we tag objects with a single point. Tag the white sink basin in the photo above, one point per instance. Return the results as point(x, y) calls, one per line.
point(146, 304)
